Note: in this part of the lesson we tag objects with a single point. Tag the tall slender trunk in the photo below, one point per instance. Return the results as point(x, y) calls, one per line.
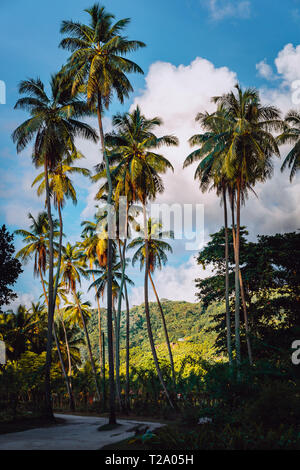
point(59, 253)
point(228, 323)
point(48, 398)
point(249, 348)
point(147, 312)
point(118, 319)
point(99, 326)
point(165, 329)
point(103, 372)
point(237, 280)
point(68, 349)
point(68, 384)
point(127, 387)
point(112, 412)
point(88, 345)
point(71, 398)
point(117, 352)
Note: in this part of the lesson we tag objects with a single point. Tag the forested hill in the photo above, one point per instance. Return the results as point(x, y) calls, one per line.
point(185, 322)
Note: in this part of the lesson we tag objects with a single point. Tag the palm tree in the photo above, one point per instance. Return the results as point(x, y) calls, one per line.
point(38, 246)
point(120, 189)
point(248, 160)
point(72, 269)
point(61, 188)
point(101, 284)
point(291, 135)
point(157, 249)
point(99, 64)
point(94, 247)
point(53, 125)
point(17, 328)
point(210, 174)
point(139, 167)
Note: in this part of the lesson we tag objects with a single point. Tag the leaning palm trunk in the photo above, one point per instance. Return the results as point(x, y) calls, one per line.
point(237, 281)
point(127, 400)
point(112, 415)
point(99, 325)
point(249, 349)
point(68, 349)
point(118, 320)
point(88, 345)
point(117, 357)
point(71, 398)
point(59, 253)
point(228, 324)
point(48, 400)
point(165, 330)
point(147, 312)
point(67, 380)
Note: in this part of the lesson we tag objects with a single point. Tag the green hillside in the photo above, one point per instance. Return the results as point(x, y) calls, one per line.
point(187, 323)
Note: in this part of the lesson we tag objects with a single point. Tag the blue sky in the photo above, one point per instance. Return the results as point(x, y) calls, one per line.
point(232, 36)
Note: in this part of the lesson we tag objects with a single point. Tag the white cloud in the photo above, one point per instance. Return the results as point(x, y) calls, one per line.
point(220, 9)
point(288, 63)
point(22, 299)
point(265, 70)
point(173, 283)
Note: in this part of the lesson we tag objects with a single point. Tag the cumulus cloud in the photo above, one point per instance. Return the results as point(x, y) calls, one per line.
point(265, 70)
point(23, 299)
point(288, 63)
point(177, 94)
point(173, 283)
point(221, 9)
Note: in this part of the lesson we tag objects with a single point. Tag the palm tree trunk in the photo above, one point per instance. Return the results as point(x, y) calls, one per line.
point(103, 372)
point(147, 312)
point(71, 398)
point(59, 253)
point(165, 329)
point(116, 351)
point(99, 325)
point(127, 387)
point(249, 349)
point(112, 412)
point(228, 323)
point(88, 345)
point(48, 398)
point(118, 324)
point(68, 384)
point(68, 349)
point(237, 280)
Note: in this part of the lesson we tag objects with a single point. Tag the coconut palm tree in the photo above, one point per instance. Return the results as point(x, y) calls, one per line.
point(101, 284)
point(98, 64)
point(39, 247)
point(211, 175)
point(139, 167)
point(291, 135)
point(61, 188)
point(53, 125)
point(72, 269)
point(248, 160)
point(95, 248)
point(157, 249)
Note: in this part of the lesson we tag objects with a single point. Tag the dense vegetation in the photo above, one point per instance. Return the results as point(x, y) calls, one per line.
point(225, 360)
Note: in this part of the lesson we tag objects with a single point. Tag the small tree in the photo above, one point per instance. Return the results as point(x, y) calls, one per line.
point(10, 267)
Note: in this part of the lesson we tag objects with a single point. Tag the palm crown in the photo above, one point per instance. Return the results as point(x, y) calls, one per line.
point(98, 55)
